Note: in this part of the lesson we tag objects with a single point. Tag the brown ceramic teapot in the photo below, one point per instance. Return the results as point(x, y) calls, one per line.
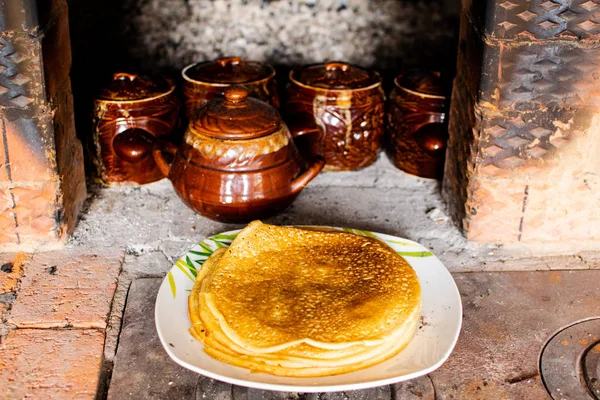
point(238, 160)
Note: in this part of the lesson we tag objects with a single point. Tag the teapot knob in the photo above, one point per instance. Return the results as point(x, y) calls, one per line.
point(121, 76)
point(229, 61)
point(334, 66)
point(236, 94)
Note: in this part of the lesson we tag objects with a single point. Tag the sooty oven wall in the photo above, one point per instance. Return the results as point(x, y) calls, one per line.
point(167, 35)
point(164, 36)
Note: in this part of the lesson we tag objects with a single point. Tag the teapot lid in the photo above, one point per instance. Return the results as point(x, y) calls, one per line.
point(335, 76)
point(428, 83)
point(229, 70)
point(131, 87)
point(236, 116)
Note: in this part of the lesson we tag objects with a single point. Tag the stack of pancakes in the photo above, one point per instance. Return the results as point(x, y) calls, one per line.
point(303, 302)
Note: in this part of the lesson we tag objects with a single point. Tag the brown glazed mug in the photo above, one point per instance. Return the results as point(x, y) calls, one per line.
point(204, 81)
point(238, 160)
point(130, 112)
point(416, 126)
point(347, 102)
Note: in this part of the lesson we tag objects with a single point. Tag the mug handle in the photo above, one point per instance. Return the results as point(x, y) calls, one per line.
point(133, 145)
point(305, 127)
point(432, 135)
point(157, 152)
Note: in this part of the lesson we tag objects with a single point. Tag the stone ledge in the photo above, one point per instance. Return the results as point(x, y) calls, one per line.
point(70, 288)
point(152, 219)
point(496, 355)
point(50, 364)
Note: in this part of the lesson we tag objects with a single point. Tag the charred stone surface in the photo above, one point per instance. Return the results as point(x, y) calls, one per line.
point(497, 354)
point(145, 36)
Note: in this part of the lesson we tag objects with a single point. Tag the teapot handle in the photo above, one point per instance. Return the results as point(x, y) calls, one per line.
point(302, 180)
point(304, 126)
point(157, 152)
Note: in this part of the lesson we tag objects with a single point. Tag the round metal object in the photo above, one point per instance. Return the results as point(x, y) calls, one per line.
point(569, 362)
point(591, 369)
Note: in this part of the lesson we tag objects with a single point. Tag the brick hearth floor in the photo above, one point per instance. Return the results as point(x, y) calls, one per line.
point(63, 335)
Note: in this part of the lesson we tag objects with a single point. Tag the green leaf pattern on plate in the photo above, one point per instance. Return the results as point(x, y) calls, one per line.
point(221, 236)
point(172, 284)
point(415, 253)
point(191, 263)
point(183, 267)
point(206, 247)
point(403, 243)
point(191, 266)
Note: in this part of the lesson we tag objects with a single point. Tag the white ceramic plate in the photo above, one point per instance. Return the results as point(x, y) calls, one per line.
point(436, 336)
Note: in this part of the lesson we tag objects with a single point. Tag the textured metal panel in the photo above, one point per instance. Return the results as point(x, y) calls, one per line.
point(534, 20)
point(534, 76)
point(34, 122)
point(21, 79)
point(538, 96)
point(514, 139)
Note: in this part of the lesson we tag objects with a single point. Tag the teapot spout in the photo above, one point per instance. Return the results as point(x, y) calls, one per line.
point(302, 180)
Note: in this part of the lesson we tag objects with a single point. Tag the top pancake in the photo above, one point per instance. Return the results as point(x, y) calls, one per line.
point(279, 286)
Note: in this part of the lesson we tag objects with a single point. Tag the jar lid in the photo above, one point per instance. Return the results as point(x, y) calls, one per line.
point(130, 87)
point(230, 70)
point(236, 116)
point(335, 76)
point(423, 82)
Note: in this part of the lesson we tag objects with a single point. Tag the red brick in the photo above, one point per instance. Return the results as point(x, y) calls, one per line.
point(67, 288)
point(3, 311)
point(28, 214)
point(27, 155)
point(495, 209)
point(9, 280)
point(50, 364)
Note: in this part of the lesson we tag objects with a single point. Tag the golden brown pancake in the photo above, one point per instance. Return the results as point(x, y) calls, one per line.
point(197, 329)
point(280, 285)
point(256, 365)
point(299, 302)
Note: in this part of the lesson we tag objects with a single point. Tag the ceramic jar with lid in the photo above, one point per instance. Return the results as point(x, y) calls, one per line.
point(206, 80)
point(416, 126)
point(347, 102)
point(130, 112)
point(238, 160)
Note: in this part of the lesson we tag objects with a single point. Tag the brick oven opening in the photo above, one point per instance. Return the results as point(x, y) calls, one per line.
point(515, 217)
